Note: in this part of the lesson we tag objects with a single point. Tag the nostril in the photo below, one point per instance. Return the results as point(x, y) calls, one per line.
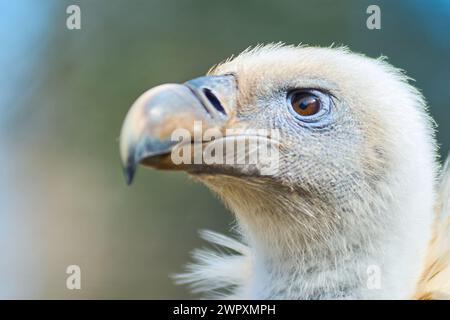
point(214, 101)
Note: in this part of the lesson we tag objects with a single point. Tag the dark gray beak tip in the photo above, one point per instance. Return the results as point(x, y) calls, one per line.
point(129, 171)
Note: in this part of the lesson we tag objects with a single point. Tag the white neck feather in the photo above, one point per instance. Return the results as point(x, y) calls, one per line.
point(375, 251)
point(384, 265)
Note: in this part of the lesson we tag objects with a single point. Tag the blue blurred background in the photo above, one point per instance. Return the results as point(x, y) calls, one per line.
point(64, 94)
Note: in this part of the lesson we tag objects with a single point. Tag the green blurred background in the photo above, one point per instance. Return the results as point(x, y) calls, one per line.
point(64, 94)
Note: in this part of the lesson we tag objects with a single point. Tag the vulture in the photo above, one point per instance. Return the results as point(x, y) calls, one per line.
point(358, 206)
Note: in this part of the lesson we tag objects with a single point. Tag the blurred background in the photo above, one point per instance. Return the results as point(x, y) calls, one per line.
point(64, 94)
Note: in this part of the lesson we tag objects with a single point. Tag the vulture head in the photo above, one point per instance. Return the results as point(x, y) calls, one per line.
point(345, 210)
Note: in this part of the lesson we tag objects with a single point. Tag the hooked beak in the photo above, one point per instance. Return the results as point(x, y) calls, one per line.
point(146, 135)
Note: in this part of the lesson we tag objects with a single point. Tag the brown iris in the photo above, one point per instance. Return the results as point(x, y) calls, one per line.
point(305, 103)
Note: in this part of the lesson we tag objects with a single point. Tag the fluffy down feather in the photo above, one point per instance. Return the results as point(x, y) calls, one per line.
point(435, 280)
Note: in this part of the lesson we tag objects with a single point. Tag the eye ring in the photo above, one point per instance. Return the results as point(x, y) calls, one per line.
point(309, 105)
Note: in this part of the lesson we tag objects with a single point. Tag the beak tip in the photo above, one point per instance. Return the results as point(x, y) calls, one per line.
point(129, 172)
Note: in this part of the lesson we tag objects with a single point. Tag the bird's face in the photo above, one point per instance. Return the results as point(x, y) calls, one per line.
point(335, 118)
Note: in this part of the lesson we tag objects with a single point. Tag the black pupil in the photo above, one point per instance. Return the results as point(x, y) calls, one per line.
point(305, 102)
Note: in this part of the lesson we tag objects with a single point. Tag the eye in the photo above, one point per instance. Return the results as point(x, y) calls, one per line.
point(305, 104)
point(309, 105)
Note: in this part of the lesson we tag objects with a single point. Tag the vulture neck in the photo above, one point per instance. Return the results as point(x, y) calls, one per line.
point(301, 249)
